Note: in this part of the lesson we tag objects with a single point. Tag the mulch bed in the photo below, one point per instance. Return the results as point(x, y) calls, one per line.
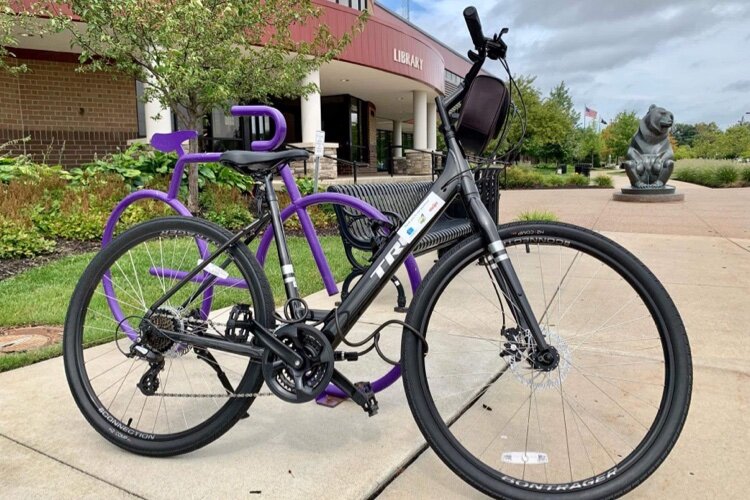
point(64, 248)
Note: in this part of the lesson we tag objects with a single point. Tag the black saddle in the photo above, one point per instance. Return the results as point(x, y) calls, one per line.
point(257, 162)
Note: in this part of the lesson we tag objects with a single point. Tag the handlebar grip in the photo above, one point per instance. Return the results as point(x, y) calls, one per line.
point(475, 27)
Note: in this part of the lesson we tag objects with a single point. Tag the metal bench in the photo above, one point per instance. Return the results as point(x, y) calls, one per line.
point(397, 201)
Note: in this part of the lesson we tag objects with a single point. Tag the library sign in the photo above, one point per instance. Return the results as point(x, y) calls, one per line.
point(403, 57)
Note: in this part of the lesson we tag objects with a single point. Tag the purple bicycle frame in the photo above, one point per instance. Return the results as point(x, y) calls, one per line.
point(173, 143)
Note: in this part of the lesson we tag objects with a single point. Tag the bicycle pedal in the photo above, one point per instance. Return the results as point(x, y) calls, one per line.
point(401, 309)
point(371, 404)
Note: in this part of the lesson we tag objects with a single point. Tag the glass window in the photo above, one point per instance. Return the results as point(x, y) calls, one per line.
point(354, 4)
point(408, 140)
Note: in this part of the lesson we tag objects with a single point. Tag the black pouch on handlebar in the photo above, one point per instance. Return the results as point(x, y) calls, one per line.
point(483, 113)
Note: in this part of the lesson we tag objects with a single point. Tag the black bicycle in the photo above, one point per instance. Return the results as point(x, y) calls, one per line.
point(538, 359)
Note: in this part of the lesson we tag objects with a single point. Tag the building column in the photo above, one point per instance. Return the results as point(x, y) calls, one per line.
point(161, 125)
point(398, 128)
point(420, 119)
point(431, 126)
point(310, 108)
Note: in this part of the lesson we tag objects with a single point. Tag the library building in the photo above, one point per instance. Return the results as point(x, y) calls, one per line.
point(375, 101)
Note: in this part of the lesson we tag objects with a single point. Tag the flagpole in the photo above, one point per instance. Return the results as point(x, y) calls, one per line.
point(584, 116)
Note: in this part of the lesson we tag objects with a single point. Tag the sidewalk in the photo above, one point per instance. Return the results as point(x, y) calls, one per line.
point(700, 249)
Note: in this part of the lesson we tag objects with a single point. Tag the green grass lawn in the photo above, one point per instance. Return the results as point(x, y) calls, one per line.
point(40, 296)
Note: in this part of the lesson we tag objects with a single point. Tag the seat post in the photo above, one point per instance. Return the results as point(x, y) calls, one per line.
point(285, 260)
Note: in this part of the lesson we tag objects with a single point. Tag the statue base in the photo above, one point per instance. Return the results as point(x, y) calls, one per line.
point(663, 194)
point(667, 189)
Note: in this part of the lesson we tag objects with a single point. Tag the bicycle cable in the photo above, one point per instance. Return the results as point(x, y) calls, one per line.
point(375, 338)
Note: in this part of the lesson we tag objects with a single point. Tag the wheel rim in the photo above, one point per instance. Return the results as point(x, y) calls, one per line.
point(190, 394)
point(520, 414)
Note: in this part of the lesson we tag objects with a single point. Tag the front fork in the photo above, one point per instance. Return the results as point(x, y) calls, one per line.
point(500, 266)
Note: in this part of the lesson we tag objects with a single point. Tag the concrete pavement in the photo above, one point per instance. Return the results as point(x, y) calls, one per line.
point(700, 249)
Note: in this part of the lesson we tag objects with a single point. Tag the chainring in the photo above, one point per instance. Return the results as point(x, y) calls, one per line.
point(307, 383)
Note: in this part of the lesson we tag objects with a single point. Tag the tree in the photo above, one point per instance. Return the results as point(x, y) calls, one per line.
point(617, 135)
point(196, 55)
point(684, 134)
point(588, 143)
point(548, 124)
point(707, 140)
point(735, 141)
point(560, 95)
point(13, 21)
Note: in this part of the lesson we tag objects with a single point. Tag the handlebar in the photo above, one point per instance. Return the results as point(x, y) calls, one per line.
point(475, 27)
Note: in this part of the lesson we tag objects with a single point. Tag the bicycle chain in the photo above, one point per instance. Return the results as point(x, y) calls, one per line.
point(231, 396)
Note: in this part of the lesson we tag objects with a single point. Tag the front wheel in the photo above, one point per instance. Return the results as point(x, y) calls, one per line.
point(596, 423)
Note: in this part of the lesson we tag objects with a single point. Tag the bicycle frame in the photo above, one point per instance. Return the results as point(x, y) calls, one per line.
point(172, 142)
point(456, 178)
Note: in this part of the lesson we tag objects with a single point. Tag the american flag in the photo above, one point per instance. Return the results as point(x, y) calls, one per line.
point(590, 113)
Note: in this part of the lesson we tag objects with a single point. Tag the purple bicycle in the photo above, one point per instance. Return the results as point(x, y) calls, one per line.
point(172, 142)
point(539, 359)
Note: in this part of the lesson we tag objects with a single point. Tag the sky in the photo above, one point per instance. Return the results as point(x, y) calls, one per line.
point(689, 56)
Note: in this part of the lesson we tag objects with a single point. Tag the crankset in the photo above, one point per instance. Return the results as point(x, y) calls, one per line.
point(306, 382)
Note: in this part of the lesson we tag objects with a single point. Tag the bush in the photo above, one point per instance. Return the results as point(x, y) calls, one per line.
point(577, 180)
point(18, 241)
point(538, 215)
point(712, 175)
point(726, 175)
point(603, 181)
point(226, 206)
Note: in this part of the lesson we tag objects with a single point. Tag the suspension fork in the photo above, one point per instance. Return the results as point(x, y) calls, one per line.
point(500, 266)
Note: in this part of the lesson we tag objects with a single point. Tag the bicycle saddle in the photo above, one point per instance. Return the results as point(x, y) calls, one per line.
point(254, 162)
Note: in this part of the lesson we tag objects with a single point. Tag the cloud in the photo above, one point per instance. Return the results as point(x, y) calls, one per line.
point(738, 86)
point(686, 55)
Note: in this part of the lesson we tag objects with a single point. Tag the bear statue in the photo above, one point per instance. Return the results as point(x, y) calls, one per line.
point(650, 159)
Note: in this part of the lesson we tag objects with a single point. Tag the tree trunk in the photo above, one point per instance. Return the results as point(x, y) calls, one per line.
point(193, 202)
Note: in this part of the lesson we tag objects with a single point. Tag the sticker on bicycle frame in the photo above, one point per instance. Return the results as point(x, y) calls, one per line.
point(528, 458)
point(426, 211)
point(215, 270)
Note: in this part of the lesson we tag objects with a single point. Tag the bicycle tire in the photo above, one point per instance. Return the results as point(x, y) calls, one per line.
point(97, 413)
point(442, 433)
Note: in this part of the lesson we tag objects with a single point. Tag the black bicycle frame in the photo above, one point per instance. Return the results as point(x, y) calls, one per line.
point(456, 178)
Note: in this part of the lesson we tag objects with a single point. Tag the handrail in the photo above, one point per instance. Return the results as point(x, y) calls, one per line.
point(354, 164)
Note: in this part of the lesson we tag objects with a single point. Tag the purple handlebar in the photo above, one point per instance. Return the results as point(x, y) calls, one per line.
point(275, 115)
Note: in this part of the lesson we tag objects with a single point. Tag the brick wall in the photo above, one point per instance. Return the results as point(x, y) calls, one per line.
point(69, 116)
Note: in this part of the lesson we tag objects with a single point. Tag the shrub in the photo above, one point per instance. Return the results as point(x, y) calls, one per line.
point(19, 241)
point(711, 174)
point(745, 175)
point(577, 180)
point(726, 175)
point(305, 185)
point(603, 181)
point(538, 215)
point(226, 206)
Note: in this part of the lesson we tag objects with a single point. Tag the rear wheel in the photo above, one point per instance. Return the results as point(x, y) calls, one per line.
point(196, 394)
point(596, 424)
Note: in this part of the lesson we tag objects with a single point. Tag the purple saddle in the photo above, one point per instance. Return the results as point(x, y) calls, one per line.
point(167, 143)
